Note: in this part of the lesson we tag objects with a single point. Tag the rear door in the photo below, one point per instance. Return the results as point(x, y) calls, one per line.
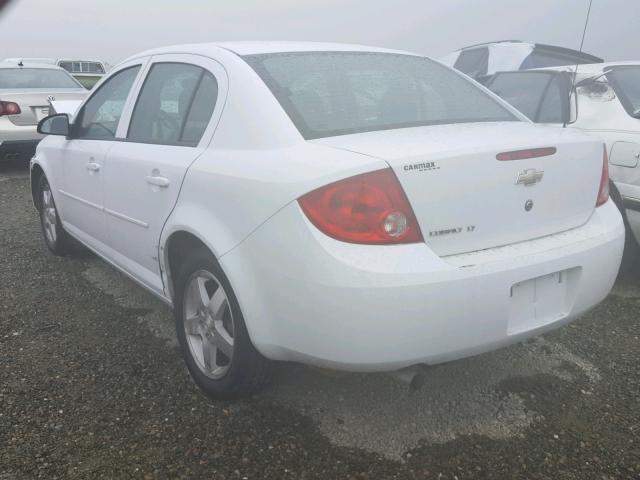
point(82, 157)
point(171, 123)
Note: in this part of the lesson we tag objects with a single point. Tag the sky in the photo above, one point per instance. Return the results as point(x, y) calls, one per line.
point(114, 29)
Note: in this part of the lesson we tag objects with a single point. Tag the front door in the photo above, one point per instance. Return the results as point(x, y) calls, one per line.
point(169, 127)
point(83, 159)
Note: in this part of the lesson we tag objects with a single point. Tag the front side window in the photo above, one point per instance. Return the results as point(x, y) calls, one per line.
point(100, 116)
point(35, 78)
point(338, 93)
point(174, 105)
point(625, 81)
point(541, 96)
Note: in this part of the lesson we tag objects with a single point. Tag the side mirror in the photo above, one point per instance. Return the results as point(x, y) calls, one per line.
point(54, 125)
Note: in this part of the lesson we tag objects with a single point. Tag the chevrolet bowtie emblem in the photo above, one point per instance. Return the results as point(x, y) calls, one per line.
point(529, 177)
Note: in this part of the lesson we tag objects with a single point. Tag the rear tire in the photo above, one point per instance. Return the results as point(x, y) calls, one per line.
point(212, 334)
point(57, 240)
point(631, 249)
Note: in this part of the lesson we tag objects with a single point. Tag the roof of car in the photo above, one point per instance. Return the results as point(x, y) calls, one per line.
point(260, 47)
point(537, 46)
point(589, 68)
point(44, 66)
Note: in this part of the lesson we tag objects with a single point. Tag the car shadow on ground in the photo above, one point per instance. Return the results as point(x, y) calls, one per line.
point(14, 168)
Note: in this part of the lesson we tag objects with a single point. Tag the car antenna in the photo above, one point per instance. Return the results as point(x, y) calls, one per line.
point(20, 64)
point(575, 71)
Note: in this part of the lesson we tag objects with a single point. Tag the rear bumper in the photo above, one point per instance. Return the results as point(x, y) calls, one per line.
point(309, 298)
point(17, 140)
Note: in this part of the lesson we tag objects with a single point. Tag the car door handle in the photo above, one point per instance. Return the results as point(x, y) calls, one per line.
point(162, 182)
point(93, 166)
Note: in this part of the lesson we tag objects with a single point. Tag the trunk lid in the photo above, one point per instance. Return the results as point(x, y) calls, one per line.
point(467, 200)
point(34, 105)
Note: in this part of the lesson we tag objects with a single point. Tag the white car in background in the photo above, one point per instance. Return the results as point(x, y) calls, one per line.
point(484, 59)
point(348, 207)
point(605, 103)
point(26, 93)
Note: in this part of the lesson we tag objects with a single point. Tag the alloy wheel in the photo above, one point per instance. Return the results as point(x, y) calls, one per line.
point(49, 215)
point(208, 324)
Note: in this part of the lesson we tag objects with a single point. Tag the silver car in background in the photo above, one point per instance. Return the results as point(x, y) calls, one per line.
point(26, 93)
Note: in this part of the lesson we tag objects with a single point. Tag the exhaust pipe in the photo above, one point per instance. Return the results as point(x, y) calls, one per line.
point(413, 376)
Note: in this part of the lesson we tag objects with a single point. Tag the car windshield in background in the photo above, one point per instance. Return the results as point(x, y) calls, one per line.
point(625, 81)
point(17, 78)
point(338, 93)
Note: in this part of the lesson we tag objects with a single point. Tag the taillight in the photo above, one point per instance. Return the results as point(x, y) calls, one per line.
point(603, 192)
point(9, 108)
point(370, 208)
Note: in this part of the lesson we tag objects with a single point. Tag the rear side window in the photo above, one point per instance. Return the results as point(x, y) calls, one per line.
point(473, 62)
point(541, 96)
point(338, 93)
point(174, 105)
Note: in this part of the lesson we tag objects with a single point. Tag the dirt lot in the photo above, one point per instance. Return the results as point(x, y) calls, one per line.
point(91, 386)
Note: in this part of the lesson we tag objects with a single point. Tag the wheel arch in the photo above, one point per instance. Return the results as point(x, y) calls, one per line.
point(178, 242)
point(177, 245)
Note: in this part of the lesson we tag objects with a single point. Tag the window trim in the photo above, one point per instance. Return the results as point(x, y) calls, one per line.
point(203, 71)
point(74, 126)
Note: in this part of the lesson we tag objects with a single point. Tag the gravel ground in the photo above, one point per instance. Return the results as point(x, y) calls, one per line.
point(91, 386)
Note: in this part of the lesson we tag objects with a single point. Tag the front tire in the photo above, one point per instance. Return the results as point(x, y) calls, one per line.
point(212, 334)
point(57, 240)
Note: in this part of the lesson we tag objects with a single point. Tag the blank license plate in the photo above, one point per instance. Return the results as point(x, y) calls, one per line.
point(537, 302)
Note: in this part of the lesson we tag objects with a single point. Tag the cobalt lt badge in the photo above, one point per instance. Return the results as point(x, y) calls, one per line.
point(528, 205)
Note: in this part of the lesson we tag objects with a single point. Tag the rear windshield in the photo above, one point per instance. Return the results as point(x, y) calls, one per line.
point(16, 78)
point(626, 83)
point(338, 93)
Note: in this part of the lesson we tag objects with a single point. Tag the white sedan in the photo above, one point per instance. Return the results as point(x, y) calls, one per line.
point(348, 207)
